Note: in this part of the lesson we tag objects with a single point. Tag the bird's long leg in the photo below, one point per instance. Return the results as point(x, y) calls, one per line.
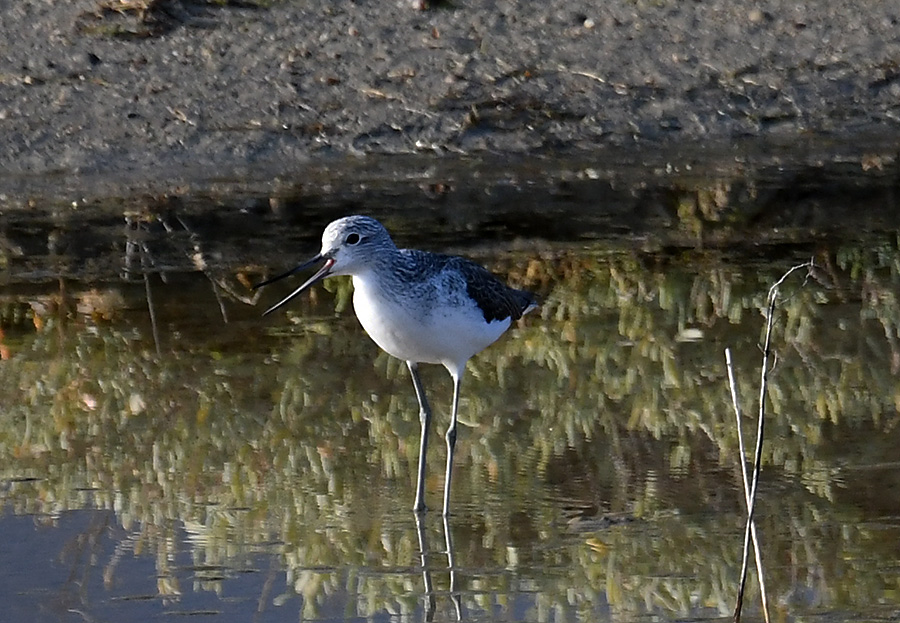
point(425, 420)
point(451, 435)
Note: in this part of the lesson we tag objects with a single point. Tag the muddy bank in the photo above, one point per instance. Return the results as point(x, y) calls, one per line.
point(163, 91)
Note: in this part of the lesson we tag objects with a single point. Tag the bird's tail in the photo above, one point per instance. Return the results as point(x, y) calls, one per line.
point(527, 302)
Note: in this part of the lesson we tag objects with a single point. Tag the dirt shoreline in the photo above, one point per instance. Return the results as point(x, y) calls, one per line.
point(193, 89)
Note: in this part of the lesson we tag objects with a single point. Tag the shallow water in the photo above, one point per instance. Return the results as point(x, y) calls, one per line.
point(165, 451)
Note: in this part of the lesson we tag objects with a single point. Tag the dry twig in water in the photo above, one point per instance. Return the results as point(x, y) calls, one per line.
point(750, 495)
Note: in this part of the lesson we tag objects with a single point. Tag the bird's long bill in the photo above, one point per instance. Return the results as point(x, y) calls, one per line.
point(320, 274)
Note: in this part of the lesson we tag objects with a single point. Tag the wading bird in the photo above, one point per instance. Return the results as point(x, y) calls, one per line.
point(417, 306)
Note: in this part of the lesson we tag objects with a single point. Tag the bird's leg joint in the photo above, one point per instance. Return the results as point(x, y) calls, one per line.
point(451, 436)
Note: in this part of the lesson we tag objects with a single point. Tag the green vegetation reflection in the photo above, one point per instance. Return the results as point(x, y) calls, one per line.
point(597, 457)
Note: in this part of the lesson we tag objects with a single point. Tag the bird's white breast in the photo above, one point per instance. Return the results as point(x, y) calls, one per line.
point(438, 326)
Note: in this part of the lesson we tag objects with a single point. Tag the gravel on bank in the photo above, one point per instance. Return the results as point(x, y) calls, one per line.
point(144, 88)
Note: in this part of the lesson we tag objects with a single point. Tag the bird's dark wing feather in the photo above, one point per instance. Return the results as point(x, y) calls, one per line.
point(496, 300)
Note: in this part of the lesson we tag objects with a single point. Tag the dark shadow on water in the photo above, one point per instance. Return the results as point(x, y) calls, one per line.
point(734, 197)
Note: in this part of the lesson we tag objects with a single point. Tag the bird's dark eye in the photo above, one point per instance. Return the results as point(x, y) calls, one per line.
point(353, 239)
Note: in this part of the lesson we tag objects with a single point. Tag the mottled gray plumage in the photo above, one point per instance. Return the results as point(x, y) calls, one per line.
point(417, 271)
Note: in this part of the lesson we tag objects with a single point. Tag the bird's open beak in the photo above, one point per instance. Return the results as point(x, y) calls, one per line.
point(321, 274)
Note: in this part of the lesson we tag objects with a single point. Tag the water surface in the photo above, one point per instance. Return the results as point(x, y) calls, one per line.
point(167, 451)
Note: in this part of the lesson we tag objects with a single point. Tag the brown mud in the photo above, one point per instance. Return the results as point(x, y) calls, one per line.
point(101, 97)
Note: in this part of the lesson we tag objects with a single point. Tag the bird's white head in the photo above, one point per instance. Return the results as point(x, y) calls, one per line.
point(353, 243)
point(349, 246)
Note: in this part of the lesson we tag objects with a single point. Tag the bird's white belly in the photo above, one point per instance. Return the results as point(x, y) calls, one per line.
point(438, 333)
